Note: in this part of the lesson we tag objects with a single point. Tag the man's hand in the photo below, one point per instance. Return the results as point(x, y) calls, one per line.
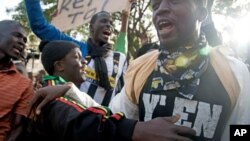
point(162, 129)
point(46, 94)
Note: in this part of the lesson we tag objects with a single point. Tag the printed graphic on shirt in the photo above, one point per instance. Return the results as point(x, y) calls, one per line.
point(206, 115)
point(207, 111)
point(91, 77)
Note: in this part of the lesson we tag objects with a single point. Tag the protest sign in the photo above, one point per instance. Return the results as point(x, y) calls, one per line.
point(73, 13)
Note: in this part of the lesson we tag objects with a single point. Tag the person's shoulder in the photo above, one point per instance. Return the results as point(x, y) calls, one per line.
point(17, 76)
point(25, 81)
point(229, 54)
point(20, 82)
point(25, 78)
point(150, 56)
point(236, 65)
point(224, 49)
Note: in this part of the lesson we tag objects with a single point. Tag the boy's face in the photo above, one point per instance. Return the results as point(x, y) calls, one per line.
point(73, 67)
point(13, 42)
point(102, 28)
point(175, 21)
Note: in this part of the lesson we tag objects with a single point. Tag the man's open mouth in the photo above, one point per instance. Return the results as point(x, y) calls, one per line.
point(18, 49)
point(165, 25)
point(107, 32)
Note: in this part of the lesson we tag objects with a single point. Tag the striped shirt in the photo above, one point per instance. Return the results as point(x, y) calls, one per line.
point(16, 91)
point(116, 65)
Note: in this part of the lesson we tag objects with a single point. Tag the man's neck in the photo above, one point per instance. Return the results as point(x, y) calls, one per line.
point(177, 46)
point(97, 43)
point(65, 77)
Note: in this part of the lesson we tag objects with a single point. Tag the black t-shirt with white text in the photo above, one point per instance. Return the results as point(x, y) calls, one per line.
point(207, 112)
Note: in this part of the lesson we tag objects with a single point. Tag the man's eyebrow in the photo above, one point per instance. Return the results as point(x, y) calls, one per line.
point(20, 35)
point(17, 33)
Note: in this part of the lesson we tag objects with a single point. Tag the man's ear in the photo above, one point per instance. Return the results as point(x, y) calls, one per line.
point(201, 13)
point(58, 66)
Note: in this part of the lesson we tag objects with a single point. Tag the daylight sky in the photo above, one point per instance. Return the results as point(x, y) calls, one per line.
point(7, 4)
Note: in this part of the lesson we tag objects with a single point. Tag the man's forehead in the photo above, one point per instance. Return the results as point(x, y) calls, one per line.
point(78, 51)
point(18, 29)
point(10, 28)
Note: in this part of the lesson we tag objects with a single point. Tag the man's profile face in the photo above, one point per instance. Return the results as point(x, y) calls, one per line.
point(73, 67)
point(103, 28)
point(13, 41)
point(175, 21)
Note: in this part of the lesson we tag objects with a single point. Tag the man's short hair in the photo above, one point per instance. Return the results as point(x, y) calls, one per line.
point(93, 19)
point(53, 51)
point(6, 24)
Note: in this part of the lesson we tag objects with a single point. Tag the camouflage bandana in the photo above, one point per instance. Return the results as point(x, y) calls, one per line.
point(181, 70)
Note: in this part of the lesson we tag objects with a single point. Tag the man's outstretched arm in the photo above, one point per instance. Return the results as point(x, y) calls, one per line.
point(43, 29)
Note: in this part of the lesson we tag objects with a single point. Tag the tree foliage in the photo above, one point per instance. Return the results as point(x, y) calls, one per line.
point(140, 23)
point(140, 26)
point(232, 8)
